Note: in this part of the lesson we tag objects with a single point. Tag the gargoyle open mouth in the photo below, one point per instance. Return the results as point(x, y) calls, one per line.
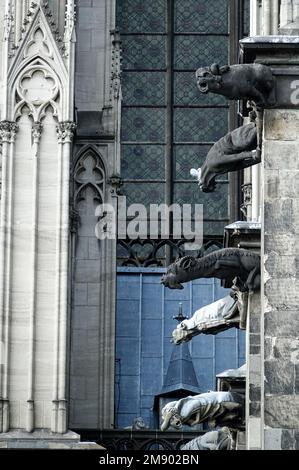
point(202, 86)
point(207, 188)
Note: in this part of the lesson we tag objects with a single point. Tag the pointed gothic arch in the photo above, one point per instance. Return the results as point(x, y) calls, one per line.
point(89, 177)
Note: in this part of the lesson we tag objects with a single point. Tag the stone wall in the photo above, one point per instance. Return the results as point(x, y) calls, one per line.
point(281, 276)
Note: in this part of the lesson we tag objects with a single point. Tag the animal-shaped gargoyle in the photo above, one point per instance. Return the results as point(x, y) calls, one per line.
point(220, 439)
point(215, 408)
point(210, 319)
point(252, 82)
point(230, 264)
point(235, 151)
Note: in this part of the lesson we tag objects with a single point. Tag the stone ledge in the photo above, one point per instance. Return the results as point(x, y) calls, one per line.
point(44, 439)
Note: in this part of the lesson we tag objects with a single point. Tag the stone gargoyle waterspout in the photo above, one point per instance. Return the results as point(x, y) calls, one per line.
point(231, 264)
point(233, 152)
point(213, 408)
point(211, 319)
point(222, 439)
point(253, 82)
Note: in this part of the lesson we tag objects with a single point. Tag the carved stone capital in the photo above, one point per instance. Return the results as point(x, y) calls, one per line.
point(116, 182)
point(36, 131)
point(65, 131)
point(8, 130)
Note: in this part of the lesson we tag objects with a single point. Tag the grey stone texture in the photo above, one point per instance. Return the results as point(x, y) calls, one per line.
point(44, 439)
point(281, 276)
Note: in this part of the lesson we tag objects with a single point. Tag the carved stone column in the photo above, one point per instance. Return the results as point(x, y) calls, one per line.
point(36, 135)
point(65, 132)
point(7, 132)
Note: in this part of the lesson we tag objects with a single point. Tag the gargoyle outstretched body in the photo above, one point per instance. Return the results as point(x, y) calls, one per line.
point(235, 151)
point(227, 264)
point(221, 439)
point(252, 82)
point(216, 408)
point(211, 319)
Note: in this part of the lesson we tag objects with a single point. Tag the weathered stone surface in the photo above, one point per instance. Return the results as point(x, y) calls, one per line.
point(279, 377)
point(254, 393)
point(279, 216)
point(255, 322)
point(273, 439)
point(254, 432)
point(286, 349)
point(275, 186)
point(255, 408)
point(281, 125)
point(281, 243)
point(282, 411)
point(281, 155)
point(287, 439)
point(255, 344)
point(297, 378)
point(282, 323)
point(283, 294)
point(281, 266)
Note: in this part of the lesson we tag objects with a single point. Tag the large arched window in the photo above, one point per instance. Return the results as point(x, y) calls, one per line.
point(167, 126)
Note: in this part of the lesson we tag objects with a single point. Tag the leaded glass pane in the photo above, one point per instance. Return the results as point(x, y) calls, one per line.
point(192, 52)
point(214, 229)
point(201, 16)
point(190, 156)
point(215, 205)
point(143, 125)
point(144, 193)
point(199, 124)
point(144, 52)
point(186, 92)
point(140, 16)
point(143, 161)
point(143, 88)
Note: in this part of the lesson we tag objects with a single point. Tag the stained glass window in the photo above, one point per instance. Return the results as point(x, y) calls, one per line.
point(167, 125)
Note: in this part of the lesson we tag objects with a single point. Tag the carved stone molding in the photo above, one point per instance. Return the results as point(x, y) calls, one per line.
point(8, 130)
point(65, 131)
point(115, 86)
point(247, 198)
point(36, 131)
point(70, 21)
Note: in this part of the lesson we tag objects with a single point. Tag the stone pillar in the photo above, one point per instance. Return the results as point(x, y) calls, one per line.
point(273, 341)
point(253, 373)
point(280, 303)
point(7, 132)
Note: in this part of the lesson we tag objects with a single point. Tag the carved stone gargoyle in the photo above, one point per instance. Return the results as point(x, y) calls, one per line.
point(211, 319)
point(228, 264)
point(235, 151)
point(213, 408)
point(222, 439)
point(253, 82)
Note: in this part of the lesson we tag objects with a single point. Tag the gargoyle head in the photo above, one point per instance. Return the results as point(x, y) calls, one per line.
point(170, 417)
point(208, 78)
point(206, 179)
point(169, 280)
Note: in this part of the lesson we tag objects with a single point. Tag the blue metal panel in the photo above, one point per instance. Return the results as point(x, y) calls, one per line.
point(144, 325)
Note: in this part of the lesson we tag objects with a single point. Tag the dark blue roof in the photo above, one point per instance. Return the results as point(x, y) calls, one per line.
point(180, 376)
